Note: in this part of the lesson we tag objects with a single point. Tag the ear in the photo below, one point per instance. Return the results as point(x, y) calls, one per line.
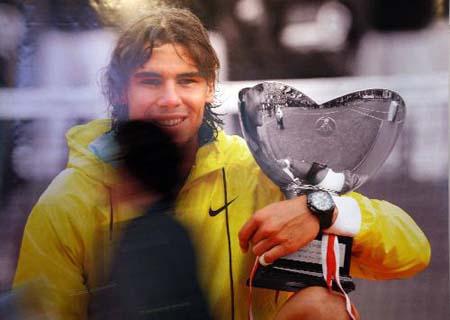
point(211, 90)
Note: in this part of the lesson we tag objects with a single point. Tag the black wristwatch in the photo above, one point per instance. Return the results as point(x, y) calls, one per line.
point(322, 206)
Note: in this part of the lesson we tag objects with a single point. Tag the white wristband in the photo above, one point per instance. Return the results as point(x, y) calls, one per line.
point(348, 220)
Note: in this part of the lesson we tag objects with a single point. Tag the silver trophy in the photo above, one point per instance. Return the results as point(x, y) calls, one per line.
point(303, 146)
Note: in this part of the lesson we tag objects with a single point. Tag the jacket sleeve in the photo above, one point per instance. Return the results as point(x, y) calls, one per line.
point(51, 258)
point(389, 244)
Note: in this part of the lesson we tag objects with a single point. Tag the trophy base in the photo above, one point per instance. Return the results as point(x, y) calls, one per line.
point(304, 269)
point(272, 277)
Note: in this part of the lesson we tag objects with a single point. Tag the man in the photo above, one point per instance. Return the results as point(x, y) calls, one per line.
point(163, 69)
point(279, 117)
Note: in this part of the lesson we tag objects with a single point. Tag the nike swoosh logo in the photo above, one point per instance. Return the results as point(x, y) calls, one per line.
point(213, 213)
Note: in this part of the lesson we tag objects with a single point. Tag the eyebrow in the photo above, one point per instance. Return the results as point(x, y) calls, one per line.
point(148, 74)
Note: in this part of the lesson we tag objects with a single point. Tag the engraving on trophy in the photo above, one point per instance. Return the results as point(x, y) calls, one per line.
point(311, 253)
point(325, 126)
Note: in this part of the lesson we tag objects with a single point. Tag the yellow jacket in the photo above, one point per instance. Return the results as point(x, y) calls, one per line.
point(68, 235)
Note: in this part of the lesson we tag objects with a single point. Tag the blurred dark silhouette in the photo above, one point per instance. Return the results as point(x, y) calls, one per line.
point(149, 156)
point(154, 271)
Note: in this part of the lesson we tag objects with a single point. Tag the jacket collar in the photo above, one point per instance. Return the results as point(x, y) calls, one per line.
point(209, 158)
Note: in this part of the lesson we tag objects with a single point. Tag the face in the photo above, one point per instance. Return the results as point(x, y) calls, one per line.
point(169, 91)
point(253, 99)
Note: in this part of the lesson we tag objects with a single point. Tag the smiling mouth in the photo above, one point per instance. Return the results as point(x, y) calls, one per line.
point(169, 123)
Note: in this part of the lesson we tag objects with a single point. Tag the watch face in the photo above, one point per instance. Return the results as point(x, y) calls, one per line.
point(321, 200)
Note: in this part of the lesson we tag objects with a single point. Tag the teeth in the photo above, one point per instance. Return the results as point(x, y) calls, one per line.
point(169, 123)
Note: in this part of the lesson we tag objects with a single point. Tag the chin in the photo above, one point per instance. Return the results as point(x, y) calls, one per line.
point(182, 140)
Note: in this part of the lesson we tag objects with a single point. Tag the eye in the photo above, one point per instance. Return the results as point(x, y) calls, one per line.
point(187, 81)
point(151, 81)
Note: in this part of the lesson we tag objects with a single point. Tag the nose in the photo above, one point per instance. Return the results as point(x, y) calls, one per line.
point(169, 97)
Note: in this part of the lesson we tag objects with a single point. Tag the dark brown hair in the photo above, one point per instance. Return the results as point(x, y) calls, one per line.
point(134, 48)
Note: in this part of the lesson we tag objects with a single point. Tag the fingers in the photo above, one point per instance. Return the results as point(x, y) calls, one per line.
point(276, 253)
point(262, 261)
point(270, 228)
point(263, 246)
point(257, 229)
point(247, 232)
